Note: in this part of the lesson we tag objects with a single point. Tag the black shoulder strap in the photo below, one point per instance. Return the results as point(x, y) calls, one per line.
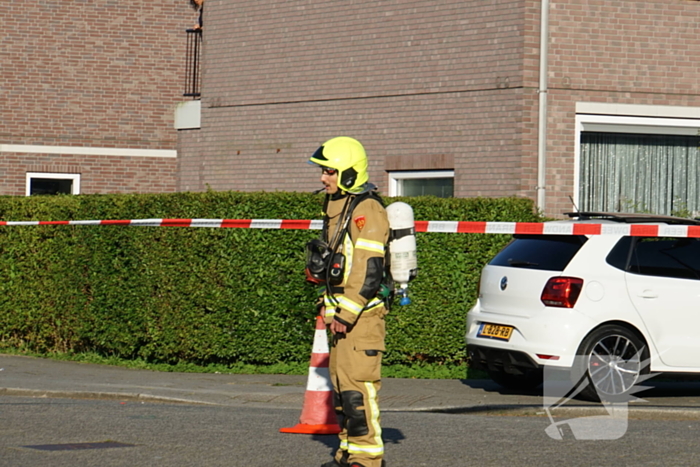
point(324, 232)
point(357, 200)
point(375, 195)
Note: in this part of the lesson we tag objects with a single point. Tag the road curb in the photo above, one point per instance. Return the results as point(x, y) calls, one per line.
point(42, 393)
point(573, 411)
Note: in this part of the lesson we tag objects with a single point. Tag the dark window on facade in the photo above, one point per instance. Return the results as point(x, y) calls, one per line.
point(440, 187)
point(50, 186)
point(438, 183)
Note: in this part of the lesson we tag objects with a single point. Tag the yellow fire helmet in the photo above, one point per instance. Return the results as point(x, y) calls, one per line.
point(348, 157)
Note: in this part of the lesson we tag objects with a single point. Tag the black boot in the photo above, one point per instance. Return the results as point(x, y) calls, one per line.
point(334, 463)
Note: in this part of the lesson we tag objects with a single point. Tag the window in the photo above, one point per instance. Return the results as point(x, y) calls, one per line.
point(620, 254)
point(640, 173)
point(438, 183)
point(543, 252)
point(52, 184)
point(638, 164)
point(666, 257)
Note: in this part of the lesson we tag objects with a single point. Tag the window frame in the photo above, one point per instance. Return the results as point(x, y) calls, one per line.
point(75, 187)
point(396, 176)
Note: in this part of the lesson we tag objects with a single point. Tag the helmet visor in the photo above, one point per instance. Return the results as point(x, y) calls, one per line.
point(318, 157)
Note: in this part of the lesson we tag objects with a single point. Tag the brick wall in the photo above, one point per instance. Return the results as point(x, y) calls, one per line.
point(267, 51)
point(94, 73)
point(190, 161)
point(451, 83)
point(99, 174)
point(266, 148)
point(626, 46)
point(409, 79)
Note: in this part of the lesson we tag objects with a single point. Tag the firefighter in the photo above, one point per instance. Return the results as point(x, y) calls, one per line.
point(356, 231)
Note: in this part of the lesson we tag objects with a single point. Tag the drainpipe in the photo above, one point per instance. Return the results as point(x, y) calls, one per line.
point(542, 91)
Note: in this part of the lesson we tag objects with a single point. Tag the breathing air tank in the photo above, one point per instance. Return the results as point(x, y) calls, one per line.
point(402, 248)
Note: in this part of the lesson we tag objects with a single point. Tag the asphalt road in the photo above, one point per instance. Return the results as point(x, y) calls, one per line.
point(157, 434)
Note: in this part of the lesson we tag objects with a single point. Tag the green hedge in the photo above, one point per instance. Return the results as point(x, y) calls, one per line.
point(201, 295)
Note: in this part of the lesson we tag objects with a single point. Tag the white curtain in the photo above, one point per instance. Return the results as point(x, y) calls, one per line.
point(656, 174)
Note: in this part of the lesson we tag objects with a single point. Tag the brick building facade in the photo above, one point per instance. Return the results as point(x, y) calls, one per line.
point(89, 91)
point(444, 85)
point(447, 86)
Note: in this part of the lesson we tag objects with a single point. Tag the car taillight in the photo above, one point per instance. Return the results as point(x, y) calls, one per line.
point(562, 291)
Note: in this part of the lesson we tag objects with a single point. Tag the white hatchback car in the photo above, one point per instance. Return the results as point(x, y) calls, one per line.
point(611, 307)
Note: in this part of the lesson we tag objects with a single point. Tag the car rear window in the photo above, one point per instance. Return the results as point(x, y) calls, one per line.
point(545, 252)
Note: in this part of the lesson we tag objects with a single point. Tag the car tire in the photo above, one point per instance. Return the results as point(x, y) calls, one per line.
point(610, 362)
point(528, 381)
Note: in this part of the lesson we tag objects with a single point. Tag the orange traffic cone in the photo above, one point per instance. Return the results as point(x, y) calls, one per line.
point(318, 415)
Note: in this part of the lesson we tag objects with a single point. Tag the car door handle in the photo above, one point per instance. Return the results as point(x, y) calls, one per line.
point(649, 294)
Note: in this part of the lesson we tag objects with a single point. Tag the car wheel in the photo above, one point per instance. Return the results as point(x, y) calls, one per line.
point(529, 380)
point(610, 362)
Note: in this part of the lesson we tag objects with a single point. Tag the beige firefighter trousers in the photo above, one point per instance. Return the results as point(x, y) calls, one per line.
point(355, 369)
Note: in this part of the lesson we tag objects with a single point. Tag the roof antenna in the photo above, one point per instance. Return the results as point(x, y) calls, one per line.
point(574, 204)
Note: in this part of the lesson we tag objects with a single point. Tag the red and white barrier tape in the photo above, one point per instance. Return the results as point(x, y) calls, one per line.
point(534, 228)
point(215, 223)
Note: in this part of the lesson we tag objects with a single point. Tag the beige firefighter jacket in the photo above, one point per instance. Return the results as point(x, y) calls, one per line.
point(364, 246)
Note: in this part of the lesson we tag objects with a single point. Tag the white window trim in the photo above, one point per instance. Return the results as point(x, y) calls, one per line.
point(62, 176)
point(87, 151)
point(396, 176)
point(627, 124)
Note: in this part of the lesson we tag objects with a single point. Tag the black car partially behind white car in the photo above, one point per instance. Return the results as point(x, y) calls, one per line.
point(610, 306)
